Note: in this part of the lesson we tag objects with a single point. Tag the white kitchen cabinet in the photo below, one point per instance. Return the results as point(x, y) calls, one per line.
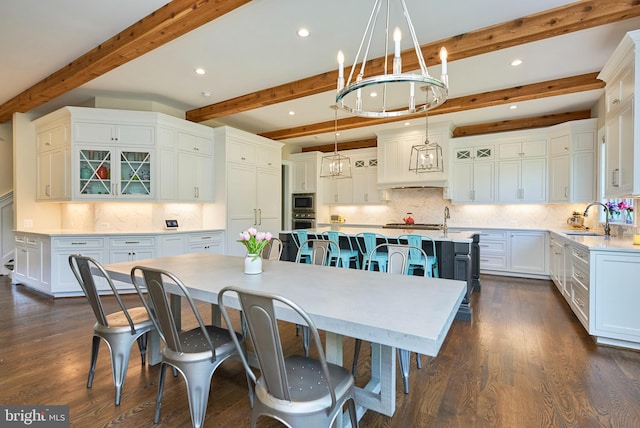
point(579, 284)
point(528, 252)
point(494, 250)
point(131, 248)
point(338, 191)
point(614, 297)
point(364, 173)
point(473, 176)
point(172, 244)
point(63, 282)
point(53, 162)
point(27, 266)
point(622, 112)
point(557, 262)
point(205, 242)
point(306, 171)
point(522, 170)
point(251, 187)
point(572, 162)
point(394, 154)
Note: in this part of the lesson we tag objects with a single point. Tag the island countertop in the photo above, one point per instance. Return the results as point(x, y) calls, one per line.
point(438, 235)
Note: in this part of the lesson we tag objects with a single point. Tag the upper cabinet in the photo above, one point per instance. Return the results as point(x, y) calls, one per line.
point(95, 154)
point(472, 173)
point(306, 170)
point(522, 169)
point(622, 159)
point(572, 162)
point(394, 155)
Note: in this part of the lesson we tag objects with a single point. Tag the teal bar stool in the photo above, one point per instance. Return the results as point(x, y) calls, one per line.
point(346, 254)
point(367, 242)
point(416, 258)
point(300, 238)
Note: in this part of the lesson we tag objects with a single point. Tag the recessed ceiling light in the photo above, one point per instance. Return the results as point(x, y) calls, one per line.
point(303, 32)
point(513, 107)
point(373, 94)
point(516, 62)
point(292, 113)
point(407, 123)
point(200, 71)
point(206, 93)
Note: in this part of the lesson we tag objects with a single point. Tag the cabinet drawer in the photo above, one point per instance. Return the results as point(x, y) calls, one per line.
point(133, 241)
point(493, 262)
point(497, 235)
point(498, 247)
point(197, 238)
point(79, 242)
point(580, 257)
point(580, 302)
point(194, 144)
point(580, 273)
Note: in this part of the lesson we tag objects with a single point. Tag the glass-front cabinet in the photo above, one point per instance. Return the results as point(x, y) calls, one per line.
point(113, 173)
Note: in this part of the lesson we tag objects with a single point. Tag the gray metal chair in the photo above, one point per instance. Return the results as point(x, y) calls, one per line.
point(119, 329)
point(318, 252)
point(298, 391)
point(397, 263)
point(273, 250)
point(195, 353)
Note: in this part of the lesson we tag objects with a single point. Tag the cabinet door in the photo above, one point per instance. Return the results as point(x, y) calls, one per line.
point(268, 197)
point(195, 180)
point(462, 175)
point(135, 168)
point(483, 182)
point(241, 194)
point(92, 173)
point(559, 174)
point(529, 252)
point(583, 181)
point(509, 173)
point(626, 150)
point(364, 185)
point(534, 180)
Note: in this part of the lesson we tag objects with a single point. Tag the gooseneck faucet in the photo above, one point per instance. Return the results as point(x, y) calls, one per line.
point(446, 216)
point(607, 228)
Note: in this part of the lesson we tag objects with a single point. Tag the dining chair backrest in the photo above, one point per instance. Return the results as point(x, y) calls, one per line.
point(273, 250)
point(289, 384)
point(83, 269)
point(398, 256)
point(367, 242)
point(321, 251)
point(163, 315)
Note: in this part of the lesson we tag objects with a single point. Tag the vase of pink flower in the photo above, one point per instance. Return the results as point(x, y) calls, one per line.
point(627, 212)
point(254, 242)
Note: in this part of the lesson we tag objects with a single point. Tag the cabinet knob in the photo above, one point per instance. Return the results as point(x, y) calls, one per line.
point(616, 101)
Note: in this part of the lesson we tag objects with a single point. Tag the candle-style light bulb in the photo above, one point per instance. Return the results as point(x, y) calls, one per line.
point(443, 59)
point(340, 64)
point(397, 37)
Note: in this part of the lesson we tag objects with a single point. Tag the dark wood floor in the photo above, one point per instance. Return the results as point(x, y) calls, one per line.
point(523, 361)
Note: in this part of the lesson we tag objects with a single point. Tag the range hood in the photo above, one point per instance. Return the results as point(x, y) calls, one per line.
point(418, 184)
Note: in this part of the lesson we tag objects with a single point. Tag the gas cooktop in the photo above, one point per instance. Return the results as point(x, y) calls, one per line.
point(418, 226)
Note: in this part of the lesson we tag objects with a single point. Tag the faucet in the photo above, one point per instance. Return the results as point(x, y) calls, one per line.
point(607, 228)
point(446, 216)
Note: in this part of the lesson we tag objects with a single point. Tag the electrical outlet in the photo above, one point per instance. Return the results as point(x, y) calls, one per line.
point(27, 222)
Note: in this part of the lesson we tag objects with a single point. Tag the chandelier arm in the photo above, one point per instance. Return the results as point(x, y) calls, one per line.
point(416, 45)
point(372, 20)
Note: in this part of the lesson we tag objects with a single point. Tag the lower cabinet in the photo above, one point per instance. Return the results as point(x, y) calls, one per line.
point(42, 261)
point(506, 252)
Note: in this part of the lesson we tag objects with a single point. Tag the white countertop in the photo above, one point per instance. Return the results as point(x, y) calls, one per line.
point(438, 235)
point(599, 242)
point(73, 233)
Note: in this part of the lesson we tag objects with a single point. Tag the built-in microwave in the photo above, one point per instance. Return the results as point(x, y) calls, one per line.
point(305, 202)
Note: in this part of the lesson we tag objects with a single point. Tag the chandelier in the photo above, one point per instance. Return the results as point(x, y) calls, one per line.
point(335, 165)
point(349, 94)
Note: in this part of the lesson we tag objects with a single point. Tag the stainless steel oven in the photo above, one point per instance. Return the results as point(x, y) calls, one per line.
point(303, 220)
point(303, 202)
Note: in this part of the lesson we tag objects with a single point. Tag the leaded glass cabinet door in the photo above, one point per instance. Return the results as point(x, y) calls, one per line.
point(135, 174)
point(94, 173)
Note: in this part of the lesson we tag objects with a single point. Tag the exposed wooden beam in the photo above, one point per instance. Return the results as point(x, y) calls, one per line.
point(517, 124)
point(573, 17)
point(585, 82)
point(162, 26)
point(347, 145)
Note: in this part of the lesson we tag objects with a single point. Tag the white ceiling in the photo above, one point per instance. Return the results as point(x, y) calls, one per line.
point(256, 47)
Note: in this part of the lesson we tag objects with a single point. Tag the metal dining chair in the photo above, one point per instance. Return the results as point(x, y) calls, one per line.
point(298, 391)
point(194, 353)
point(398, 263)
point(299, 236)
point(416, 258)
point(118, 329)
point(346, 254)
point(367, 242)
point(273, 250)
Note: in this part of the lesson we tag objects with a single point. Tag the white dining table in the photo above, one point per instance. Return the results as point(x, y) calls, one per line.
point(390, 311)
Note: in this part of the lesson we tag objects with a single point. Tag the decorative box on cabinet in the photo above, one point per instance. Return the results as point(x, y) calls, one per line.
point(572, 162)
point(622, 112)
point(249, 186)
point(394, 154)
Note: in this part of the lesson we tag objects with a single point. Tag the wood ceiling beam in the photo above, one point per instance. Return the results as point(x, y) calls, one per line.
point(519, 124)
point(169, 22)
point(562, 20)
point(585, 82)
point(347, 145)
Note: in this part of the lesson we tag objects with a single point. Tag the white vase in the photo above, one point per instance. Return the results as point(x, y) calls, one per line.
point(252, 264)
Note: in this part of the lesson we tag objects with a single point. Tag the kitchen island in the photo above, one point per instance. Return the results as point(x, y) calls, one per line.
point(458, 253)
